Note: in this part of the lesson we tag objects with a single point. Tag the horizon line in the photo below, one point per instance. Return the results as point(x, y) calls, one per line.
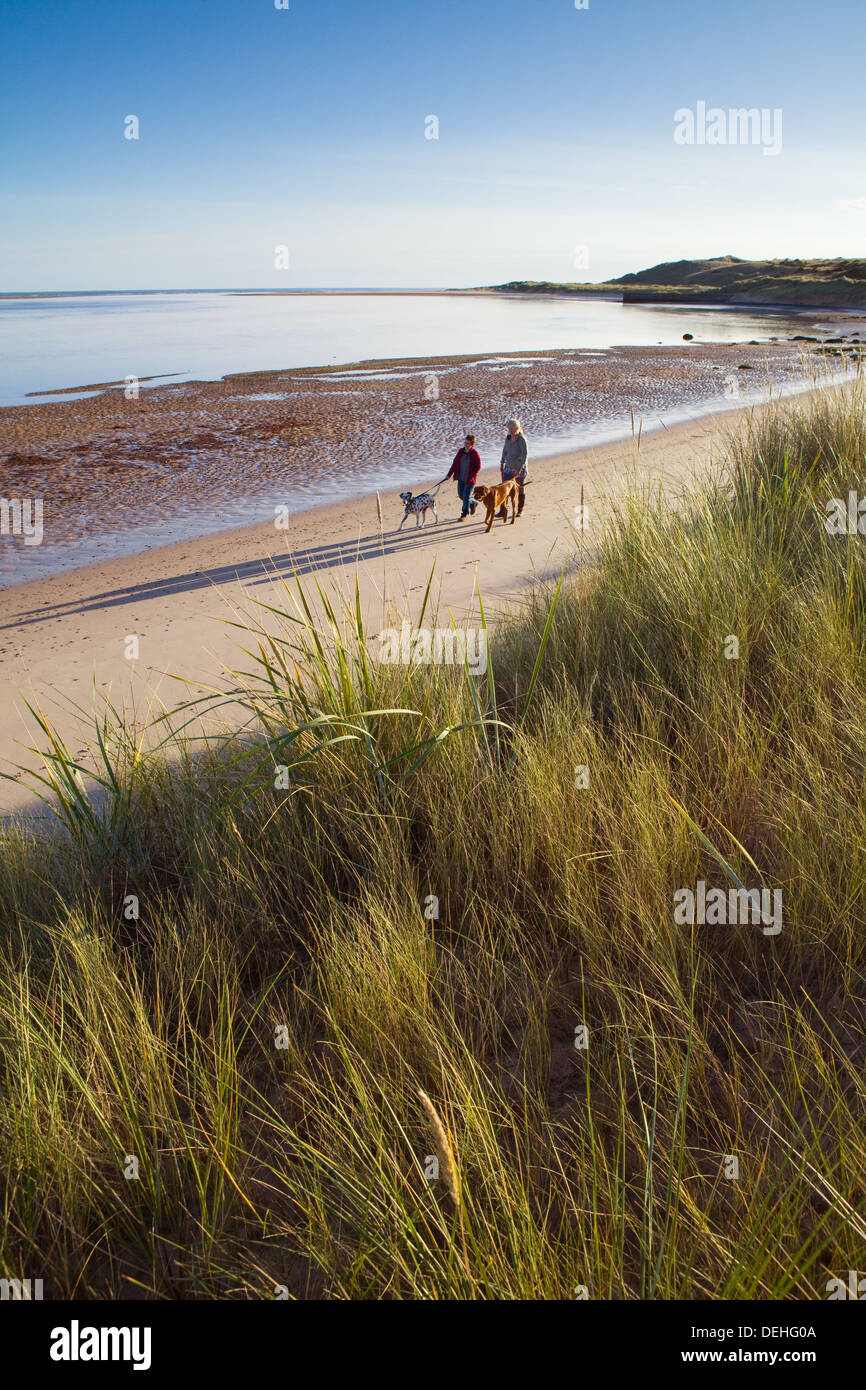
point(249, 289)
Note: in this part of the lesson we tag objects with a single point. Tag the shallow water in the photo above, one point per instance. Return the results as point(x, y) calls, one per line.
point(51, 344)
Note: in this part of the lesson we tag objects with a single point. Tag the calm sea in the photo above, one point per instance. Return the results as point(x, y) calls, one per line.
point(51, 344)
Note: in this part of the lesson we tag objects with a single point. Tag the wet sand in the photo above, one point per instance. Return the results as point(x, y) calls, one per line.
point(120, 474)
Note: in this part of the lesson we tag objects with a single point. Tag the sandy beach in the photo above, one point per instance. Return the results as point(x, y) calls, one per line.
point(63, 638)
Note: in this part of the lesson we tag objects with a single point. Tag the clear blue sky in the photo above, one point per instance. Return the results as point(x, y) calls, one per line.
point(306, 127)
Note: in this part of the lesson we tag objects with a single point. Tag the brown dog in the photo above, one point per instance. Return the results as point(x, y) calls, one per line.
point(496, 497)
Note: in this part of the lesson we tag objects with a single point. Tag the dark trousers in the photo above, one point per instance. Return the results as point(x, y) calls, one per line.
point(464, 492)
point(521, 497)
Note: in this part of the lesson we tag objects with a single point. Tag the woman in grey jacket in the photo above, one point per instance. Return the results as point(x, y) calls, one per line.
point(513, 461)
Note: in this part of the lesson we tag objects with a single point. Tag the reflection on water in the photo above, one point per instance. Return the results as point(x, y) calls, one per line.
point(51, 344)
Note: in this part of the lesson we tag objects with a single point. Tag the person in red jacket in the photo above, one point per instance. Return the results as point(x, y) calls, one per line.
point(465, 468)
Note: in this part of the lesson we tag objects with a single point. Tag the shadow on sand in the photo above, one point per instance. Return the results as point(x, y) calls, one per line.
point(294, 564)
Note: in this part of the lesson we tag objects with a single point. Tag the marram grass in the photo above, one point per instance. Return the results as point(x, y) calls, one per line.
point(449, 934)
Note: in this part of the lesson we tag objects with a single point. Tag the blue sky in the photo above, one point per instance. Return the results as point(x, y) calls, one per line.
point(305, 127)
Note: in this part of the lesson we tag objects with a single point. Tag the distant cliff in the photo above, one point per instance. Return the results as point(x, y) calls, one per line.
point(836, 284)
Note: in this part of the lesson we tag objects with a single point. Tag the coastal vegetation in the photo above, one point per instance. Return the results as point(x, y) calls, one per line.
point(385, 995)
point(839, 284)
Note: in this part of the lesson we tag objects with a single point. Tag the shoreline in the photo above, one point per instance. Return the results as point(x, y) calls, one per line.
point(63, 638)
point(385, 363)
point(832, 318)
point(182, 460)
point(147, 537)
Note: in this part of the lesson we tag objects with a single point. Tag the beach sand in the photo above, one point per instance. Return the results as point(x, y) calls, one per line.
point(63, 638)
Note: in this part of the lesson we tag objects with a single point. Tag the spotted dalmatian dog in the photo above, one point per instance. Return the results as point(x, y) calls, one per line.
point(418, 506)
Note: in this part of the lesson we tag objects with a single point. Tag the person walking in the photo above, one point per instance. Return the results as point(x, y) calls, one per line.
point(513, 461)
point(465, 468)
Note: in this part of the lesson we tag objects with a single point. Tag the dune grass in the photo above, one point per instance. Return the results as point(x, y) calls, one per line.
point(405, 1011)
